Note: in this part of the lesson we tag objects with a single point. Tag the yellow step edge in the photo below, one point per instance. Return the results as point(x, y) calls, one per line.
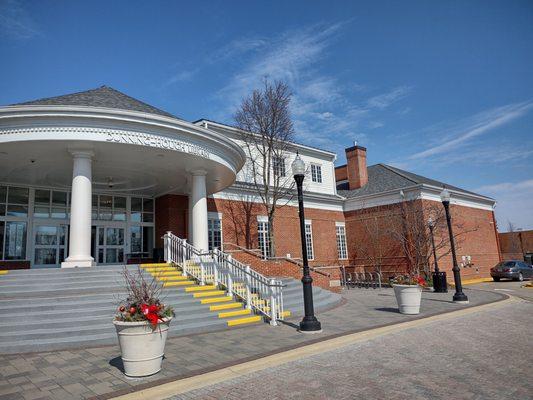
point(209, 293)
point(200, 288)
point(160, 269)
point(235, 313)
point(242, 321)
point(167, 272)
point(155, 265)
point(216, 300)
point(225, 306)
point(171, 278)
point(179, 283)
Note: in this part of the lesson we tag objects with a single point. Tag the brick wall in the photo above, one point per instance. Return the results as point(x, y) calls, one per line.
point(479, 240)
point(171, 214)
point(514, 245)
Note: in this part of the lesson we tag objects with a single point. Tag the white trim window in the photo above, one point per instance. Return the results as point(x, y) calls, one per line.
point(316, 173)
point(214, 230)
point(309, 240)
point(278, 166)
point(263, 237)
point(14, 210)
point(342, 250)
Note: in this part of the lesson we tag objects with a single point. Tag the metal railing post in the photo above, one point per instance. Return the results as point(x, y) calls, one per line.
point(202, 270)
point(273, 303)
point(215, 268)
point(248, 289)
point(230, 275)
point(167, 244)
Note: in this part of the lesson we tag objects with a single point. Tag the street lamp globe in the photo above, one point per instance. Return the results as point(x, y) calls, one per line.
point(298, 166)
point(445, 195)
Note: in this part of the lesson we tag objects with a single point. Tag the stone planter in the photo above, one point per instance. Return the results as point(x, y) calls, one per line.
point(408, 298)
point(142, 347)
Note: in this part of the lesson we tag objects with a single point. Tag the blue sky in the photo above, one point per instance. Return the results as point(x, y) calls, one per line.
point(443, 89)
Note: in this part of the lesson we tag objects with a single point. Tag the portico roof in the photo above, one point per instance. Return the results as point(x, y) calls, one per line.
point(104, 97)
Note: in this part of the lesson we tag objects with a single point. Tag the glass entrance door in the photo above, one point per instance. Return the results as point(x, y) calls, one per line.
point(50, 245)
point(109, 244)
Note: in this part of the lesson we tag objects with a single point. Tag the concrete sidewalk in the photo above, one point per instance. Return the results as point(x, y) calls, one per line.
point(86, 373)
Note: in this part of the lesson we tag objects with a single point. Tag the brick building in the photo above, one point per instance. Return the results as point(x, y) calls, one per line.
point(517, 245)
point(98, 177)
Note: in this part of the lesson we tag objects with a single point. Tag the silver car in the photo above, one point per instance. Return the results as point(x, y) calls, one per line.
point(514, 269)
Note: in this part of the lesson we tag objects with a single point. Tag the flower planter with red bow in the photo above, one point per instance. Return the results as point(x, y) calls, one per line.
point(142, 324)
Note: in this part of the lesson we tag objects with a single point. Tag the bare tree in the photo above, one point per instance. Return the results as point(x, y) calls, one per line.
point(267, 132)
point(510, 226)
point(410, 229)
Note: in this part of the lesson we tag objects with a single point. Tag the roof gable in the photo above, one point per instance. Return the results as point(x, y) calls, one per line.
point(103, 96)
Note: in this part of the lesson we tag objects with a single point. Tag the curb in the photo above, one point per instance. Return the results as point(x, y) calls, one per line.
point(198, 381)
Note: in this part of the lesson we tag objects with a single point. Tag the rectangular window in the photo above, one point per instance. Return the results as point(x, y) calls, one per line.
point(278, 166)
point(316, 173)
point(309, 240)
point(263, 237)
point(341, 242)
point(214, 227)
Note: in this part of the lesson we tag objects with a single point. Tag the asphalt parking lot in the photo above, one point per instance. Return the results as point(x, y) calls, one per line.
point(508, 287)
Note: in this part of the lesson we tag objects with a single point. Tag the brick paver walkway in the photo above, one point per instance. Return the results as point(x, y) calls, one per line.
point(86, 373)
point(480, 356)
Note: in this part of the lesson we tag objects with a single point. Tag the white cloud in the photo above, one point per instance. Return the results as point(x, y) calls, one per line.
point(385, 100)
point(15, 21)
point(181, 76)
point(451, 136)
point(514, 202)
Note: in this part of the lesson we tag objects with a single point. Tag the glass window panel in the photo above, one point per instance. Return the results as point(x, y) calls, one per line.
point(309, 241)
point(15, 241)
point(17, 211)
point(105, 215)
point(135, 239)
point(2, 209)
point(136, 204)
point(60, 213)
point(42, 197)
point(61, 255)
point(100, 237)
point(18, 195)
point(111, 256)
point(148, 240)
point(148, 217)
point(1, 239)
point(3, 194)
point(100, 256)
point(59, 198)
point(106, 202)
point(119, 216)
point(148, 205)
point(114, 236)
point(95, 200)
point(45, 256)
point(94, 215)
point(136, 217)
point(62, 230)
point(41, 212)
point(120, 255)
point(45, 235)
point(120, 203)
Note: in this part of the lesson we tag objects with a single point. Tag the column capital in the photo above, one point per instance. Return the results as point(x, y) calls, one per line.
point(80, 152)
point(198, 172)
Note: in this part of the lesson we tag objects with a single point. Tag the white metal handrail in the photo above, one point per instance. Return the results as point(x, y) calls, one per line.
point(259, 293)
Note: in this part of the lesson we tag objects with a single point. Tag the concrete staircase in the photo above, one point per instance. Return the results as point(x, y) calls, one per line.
point(54, 309)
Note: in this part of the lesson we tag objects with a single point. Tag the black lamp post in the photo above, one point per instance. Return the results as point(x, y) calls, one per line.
point(459, 296)
point(439, 278)
point(309, 322)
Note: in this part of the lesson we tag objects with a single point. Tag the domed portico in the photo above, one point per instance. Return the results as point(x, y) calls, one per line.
point(102, 141)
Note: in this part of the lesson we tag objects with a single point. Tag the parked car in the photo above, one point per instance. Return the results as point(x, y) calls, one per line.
point(514, 269)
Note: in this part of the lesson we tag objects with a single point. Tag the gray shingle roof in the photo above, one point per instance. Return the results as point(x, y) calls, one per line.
point(103, 96)
point(382, 178)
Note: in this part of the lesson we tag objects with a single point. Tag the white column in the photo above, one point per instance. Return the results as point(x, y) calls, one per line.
point(199, 211)
point(79, 245)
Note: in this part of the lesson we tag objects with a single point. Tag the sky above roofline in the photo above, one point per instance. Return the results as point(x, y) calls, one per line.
point(443, 90)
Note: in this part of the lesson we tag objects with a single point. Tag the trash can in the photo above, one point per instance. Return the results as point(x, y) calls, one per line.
point(158, 255)
point(440, 285)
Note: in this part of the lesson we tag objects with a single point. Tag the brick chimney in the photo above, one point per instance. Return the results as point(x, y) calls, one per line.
point(356, 167)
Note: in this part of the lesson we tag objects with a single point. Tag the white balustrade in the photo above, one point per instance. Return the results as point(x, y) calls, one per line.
point(262, 294)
